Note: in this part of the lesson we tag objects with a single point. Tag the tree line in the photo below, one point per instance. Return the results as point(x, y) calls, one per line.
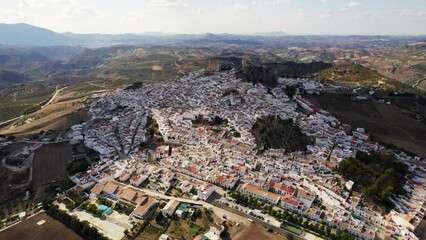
point(81, 228)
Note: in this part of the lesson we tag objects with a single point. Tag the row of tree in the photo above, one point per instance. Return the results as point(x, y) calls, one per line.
point(292, 218)
point(82, 228)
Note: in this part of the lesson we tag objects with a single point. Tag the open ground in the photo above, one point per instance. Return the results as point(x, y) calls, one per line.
point(30, 230)
point(50, 162)
point(57, 117)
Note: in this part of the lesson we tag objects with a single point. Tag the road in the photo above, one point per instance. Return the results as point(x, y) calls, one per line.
point(54, 96)
point(11, 120)
point(177, 65)
point(220, 210)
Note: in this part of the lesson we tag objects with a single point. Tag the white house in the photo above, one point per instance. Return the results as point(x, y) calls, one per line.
point(259, 193)
point(170, 208)
point(205, 191)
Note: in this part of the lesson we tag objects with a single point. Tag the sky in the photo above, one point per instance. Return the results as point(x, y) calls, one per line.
point(296, 17)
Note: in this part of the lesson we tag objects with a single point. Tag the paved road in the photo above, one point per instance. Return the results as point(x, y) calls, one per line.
point(220, 210)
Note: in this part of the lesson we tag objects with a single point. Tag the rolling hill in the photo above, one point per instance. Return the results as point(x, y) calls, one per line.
point(24, 34)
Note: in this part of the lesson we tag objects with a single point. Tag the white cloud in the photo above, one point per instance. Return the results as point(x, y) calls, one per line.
point(240, 8)
point(411, 13)
point(342, 9)
point(326, 14)
point(8, 15)
point(167, 3)
point(324, 1)
point(42, 3)
point(282, 1)
point(303, 14)
point(198, 11)
point(354, 4)
point(363, 15)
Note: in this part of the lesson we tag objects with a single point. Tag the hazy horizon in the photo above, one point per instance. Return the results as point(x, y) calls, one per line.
point(294, 17)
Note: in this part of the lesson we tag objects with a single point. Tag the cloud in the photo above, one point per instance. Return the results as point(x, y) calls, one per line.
point(323, 1)
point(303, 14)
point(10, 15)
point(282, 1)
point(354, 4)
point(42, 3)
point(198, 12)
point(411, 13)
point(167, 3)
point(326, 14)
point(240, 8)
point(363, 15)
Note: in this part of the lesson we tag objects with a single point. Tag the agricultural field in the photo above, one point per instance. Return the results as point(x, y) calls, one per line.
point(57, 117)
point(17, 103)
point(50, 162)
point(255, 232)
point(39, 227)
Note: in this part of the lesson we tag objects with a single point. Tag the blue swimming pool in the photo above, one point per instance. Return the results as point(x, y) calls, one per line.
point(104, 208)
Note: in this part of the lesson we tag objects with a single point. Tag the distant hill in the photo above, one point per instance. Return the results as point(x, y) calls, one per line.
point(9, 78)
point(271, 34)
point(28, 35)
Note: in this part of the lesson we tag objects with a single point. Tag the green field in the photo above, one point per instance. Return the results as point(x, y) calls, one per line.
point(12, 106)
point(292, 229)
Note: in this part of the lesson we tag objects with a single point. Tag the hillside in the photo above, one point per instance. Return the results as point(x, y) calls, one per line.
point(9, 78)
point(405, 63)
point(258, 74)
point(297, 69)
point(358, 75)
point(274, 132)
point(25, 34)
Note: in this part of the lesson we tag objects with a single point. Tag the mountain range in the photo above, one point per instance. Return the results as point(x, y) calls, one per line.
point(22, 34)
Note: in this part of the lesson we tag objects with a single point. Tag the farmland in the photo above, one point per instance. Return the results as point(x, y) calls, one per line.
point(50, 162)
point(256, 231)
point(17, 103)
point(58, 117)
point(30, 230)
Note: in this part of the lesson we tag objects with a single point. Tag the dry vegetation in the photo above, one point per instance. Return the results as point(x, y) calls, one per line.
point(57, 117)
point(255, 232)
point(30, 230)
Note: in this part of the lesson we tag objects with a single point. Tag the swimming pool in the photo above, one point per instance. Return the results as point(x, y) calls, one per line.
point(104, 208)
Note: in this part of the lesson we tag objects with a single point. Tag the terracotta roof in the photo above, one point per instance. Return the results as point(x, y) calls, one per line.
point(291, 201)
point(110, 187)
point(97, 189)
point(144, 207)
point(220, 178)
point(128, 194)
point(258, 191)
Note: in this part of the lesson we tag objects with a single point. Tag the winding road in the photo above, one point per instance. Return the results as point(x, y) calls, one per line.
point(54, 96)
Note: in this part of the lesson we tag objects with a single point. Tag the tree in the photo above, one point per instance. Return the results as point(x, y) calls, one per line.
point(161, 205)
point(289, 236)
point(290, 91)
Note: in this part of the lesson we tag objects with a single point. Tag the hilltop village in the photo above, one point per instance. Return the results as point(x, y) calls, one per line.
point(198, 130)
